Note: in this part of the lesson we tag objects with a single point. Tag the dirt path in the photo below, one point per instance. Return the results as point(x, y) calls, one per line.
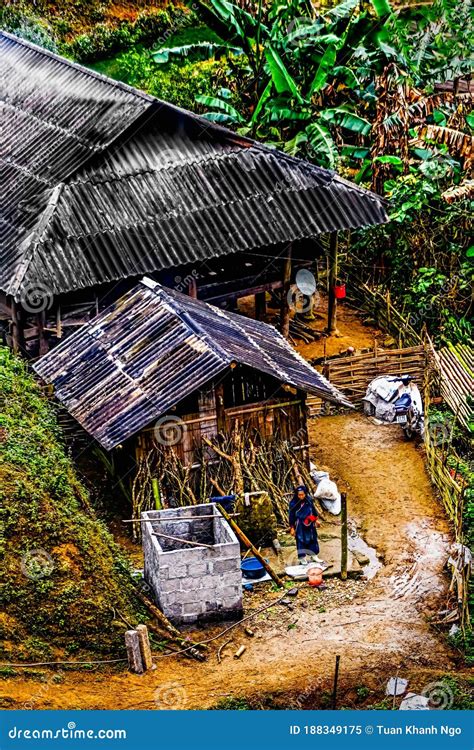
point(380, 627)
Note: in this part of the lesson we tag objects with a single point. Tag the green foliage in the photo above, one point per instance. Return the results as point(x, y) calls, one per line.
point(63, 575)
point(105, 39)
point(424, 255)
point(89, 32)
point(232, 703)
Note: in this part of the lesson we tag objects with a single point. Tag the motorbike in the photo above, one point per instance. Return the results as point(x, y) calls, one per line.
point(397, 400)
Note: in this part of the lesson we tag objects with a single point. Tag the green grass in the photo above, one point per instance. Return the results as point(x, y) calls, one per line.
point(63, 575)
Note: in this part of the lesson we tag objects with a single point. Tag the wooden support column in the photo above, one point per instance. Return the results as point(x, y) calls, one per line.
point(42, 340)
point(260, 305)
point(332, 278)
point(220, 410)
point(17, 327)
point(192, 288)
point(285, 307)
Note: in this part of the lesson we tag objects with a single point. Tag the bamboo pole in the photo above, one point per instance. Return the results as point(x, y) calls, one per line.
point(332, 277)
point(183, 541)
point(246, 541)
point(285, 307)
point(336, 678)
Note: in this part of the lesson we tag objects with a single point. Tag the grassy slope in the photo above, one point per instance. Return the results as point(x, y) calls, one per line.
point(65, 579)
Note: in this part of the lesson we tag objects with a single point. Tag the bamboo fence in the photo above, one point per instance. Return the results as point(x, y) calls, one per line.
point(353, 374)
point(451, 489)
point(455, 365)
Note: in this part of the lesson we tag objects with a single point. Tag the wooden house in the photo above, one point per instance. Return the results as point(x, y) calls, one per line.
point(102, 183)
point(163, 369)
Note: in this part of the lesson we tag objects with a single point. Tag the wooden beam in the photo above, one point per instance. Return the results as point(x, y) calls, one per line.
point(260, 306)
point(250, 546)
point(332, 278)
point(220, 407)
point(285, 307)
point(42, 340)
point(192, 287)
point(17, 327)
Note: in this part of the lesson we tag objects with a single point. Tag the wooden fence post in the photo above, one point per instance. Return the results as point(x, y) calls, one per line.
point(343, 536)
point(145, 649)
point(332, 278)
point(134, 656)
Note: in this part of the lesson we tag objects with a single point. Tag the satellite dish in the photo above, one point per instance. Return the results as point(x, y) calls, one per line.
point(306, 282)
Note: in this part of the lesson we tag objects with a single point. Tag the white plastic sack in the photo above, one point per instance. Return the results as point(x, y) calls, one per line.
point(329, 496)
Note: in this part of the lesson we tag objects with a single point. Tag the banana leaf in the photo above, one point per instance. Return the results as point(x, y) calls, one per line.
point(345, 119)
point(281, 78)
point(293, 147)
point(322, 144)
point(220, 104)
point(211, 49)
point(220, 117)
point(325, 66)
point(343, 10)
point(382, 8)
point(348, 75)
point(261, 102)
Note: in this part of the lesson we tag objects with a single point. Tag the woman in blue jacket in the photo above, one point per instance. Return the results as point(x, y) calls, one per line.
point(303, 520)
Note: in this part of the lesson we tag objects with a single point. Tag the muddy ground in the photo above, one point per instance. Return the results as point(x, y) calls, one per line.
point(377, 626)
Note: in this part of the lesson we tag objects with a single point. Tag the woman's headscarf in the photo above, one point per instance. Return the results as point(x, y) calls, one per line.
point(300, 488)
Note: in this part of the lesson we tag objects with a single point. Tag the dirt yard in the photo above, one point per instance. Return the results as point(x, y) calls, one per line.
point(376, 626)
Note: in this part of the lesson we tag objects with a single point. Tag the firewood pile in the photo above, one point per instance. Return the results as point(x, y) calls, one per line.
point(226, 465)
point(302, 331)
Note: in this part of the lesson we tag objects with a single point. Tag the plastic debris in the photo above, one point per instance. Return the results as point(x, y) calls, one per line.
point(414, 702)
point(396, 686)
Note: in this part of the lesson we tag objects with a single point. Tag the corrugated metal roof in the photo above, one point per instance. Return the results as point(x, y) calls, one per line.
point(103, 182)
point(54, 116)
point(151, 349)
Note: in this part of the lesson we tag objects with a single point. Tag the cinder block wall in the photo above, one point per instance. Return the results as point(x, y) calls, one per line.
point(193, 584)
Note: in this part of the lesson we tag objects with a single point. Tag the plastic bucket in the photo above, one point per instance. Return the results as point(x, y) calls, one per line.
point(340, 291)
point(315, 575)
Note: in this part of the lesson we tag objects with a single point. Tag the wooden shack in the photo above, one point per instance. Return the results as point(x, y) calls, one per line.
point(159, 368)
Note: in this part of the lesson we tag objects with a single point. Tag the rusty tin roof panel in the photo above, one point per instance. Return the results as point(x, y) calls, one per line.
point(152, 348)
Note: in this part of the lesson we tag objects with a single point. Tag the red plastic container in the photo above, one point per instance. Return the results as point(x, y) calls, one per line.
point(340, 291)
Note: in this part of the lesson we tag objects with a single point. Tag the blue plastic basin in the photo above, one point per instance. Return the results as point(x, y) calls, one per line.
point(252, 568)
